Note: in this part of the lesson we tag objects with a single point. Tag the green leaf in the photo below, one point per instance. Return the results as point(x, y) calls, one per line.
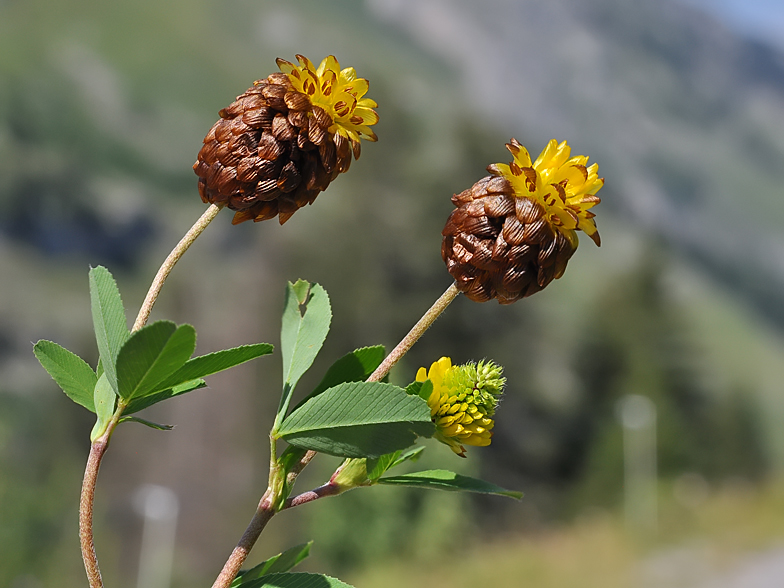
point(188, 377)
point(412, 454)
point(377, 466)
point(104, 399)
point(152, 425)
point(212, 363)
point(352, 367)
point(413, 388)
point(69, 371)
point(358, 419)
point(282, 562)
point(306, 318)
point(450, 481)
point(109, 322)
point(421, 389)
point(140, 403)
point(151, 355)
point(288, 460)
point(295, 580)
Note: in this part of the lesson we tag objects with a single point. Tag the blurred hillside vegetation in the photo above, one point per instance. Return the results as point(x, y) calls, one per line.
point(103, 106)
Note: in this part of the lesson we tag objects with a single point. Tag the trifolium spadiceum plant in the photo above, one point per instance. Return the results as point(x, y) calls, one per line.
point(273, 151)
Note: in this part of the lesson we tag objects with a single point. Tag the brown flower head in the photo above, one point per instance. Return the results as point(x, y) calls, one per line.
point(514, 231)
point(285, 139)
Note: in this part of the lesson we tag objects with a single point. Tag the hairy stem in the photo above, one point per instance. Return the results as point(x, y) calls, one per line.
point(86, 501)
point(97, 450)
point(169, 263)
point(414, 334)
point(264, 512)
point(328, 489)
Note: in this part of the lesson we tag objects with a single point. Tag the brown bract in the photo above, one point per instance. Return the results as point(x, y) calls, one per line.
point(270, 153)
point(497, 245)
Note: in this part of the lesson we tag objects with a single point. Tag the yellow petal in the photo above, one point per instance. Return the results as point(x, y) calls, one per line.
point(453, 430)
point(329, 63)
point(367, 103)
point(546, 155)
point(477, 441)
point(358, 87)
point(348, 75)
point(368, 116)
point(286, 66)
point(305, 63)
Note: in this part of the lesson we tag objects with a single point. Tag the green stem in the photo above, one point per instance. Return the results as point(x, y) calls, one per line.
point(169, 263)
point(415, 333)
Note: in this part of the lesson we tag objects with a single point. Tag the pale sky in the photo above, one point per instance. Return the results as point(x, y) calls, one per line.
point(757, 18)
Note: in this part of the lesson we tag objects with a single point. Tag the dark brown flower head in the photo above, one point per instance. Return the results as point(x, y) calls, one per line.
point(513, 232)
point(285, 139)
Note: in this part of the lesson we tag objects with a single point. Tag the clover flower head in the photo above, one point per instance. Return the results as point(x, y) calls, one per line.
point(514, 231)
point(463, 401)
point(284, 140)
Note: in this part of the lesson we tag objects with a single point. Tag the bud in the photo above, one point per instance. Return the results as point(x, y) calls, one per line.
point(513, 232)
point(352, 473)
point(285, 139)
point(463, 401)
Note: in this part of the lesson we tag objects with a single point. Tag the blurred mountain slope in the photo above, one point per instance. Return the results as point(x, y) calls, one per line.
point(684, 116)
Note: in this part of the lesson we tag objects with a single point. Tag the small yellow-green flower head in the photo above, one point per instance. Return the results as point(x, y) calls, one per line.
point(339, 92)
point(561, 184)
point(463, 401)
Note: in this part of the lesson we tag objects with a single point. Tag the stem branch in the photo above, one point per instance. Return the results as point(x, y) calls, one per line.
point(414, 334)
point(328, 489)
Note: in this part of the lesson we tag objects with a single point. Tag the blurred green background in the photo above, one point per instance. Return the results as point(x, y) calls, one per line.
point(103, 106)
